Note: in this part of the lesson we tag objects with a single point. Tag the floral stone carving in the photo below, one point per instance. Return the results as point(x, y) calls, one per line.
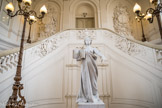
point(86, 33)
point(50, 24)
point(121, 21)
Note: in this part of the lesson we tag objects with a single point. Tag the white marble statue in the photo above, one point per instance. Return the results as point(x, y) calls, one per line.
point(88, 91)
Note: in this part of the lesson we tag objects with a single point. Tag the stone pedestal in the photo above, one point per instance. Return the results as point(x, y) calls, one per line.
point(91, 105)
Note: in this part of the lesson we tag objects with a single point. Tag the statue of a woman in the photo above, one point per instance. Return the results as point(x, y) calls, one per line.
point(89, 73)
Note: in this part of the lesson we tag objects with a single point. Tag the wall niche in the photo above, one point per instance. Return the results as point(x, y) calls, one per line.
point(85, 16)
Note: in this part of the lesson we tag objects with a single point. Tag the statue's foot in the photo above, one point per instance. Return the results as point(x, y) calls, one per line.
point(82, 100)
point(96, 99)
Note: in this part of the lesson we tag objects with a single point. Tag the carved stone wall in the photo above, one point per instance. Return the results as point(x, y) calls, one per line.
point(62, 14)
point(50, 24)
point(86, 33)
point(131, 76)
point(122, 20)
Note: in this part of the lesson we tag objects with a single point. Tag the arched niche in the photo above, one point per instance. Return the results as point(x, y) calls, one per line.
point(51, 23)
point(78, 7)
point(85, 16)
point(121, 18)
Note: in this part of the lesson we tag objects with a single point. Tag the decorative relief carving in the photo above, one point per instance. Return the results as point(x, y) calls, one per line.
point(122, 21)
point(131, 48)
point(8, 62)
point(50, 44)
point(159, 56)
point(127, 46)
point(86, 33)
point(50, 23)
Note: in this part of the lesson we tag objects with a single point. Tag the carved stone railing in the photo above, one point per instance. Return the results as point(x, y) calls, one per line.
point(8, 62)
point(151, 54)
point(8, 59)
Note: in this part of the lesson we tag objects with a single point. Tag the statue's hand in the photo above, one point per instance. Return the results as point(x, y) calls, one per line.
point(103, 58)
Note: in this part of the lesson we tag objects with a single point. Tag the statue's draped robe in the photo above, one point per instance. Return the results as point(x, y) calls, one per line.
point(89, 73)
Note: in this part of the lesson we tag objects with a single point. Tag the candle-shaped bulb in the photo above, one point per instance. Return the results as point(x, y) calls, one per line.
point(32, 18)
point(154, 2)
point(137, 8)
point(43, 9)
point(27, 2)
point(138, 20)
point(148, 16)
point(151, 1)
point(9, 7)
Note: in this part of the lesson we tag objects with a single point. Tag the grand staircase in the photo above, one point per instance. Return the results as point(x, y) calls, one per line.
point(131, 77)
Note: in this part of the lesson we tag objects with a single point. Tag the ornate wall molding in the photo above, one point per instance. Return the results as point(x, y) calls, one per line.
point(52, 22)
point(122, 20)
point(50, 25)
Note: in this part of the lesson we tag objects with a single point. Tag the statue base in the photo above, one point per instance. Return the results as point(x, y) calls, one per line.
point(91, 105)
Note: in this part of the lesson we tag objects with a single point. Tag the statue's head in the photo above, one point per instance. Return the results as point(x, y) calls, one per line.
point(87, 41)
